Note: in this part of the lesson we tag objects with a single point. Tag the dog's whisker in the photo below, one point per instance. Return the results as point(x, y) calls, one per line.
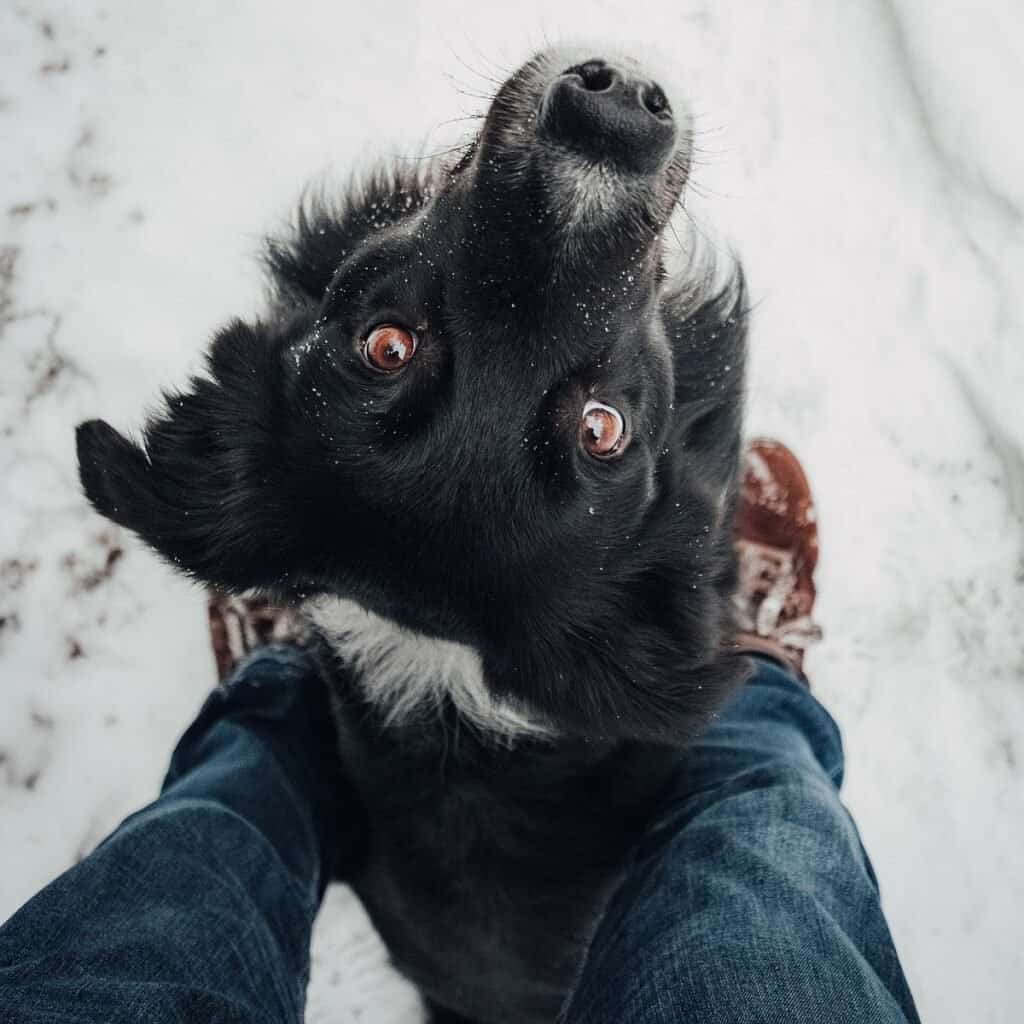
point(504, 71)
point(703, 127)
point(465, 89)
point(699, 231)
point(496, 82)
point(461, 119)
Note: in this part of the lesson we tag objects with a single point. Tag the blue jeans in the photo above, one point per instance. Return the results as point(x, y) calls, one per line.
point(751, 898)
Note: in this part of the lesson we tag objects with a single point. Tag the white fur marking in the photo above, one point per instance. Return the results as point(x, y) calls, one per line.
point(406, 673)
point(591, 192)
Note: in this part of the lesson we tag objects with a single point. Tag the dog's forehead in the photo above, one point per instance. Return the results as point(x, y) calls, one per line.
point(552, 329)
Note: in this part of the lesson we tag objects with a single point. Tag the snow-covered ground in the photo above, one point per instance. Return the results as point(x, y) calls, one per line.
point(861, 157)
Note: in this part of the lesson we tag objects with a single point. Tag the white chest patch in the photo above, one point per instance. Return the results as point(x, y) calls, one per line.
point(408, 674)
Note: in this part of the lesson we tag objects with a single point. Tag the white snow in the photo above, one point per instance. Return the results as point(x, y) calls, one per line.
point(865, 161)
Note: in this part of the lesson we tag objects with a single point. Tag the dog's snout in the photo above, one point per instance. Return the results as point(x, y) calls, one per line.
point(607, 112)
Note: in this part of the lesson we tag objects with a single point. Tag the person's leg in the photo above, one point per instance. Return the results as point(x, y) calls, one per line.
point(751, 898)
point(200, 906)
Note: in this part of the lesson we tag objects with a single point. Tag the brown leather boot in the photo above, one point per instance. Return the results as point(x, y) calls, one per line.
point(239, 625)
point(777, 543)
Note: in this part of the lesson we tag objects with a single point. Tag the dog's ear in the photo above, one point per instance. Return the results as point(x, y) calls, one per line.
point(200, 489)
point(641, 649)
point(644, 686)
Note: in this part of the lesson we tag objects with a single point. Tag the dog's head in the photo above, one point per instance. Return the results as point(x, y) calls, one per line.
point(480, 407)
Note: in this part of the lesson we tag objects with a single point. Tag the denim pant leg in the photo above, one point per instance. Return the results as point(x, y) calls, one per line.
point(751, 899)
point(200, 906)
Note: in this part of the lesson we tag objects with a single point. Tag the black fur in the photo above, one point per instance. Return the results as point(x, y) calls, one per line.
point(455, 499)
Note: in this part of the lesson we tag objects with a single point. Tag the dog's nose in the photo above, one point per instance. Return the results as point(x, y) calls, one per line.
point(606, 112)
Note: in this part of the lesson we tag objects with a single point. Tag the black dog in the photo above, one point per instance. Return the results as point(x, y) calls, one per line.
point(492, 448)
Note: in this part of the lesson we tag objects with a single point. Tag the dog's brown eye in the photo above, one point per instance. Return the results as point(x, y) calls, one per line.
point(603, 430)
point(388, 348)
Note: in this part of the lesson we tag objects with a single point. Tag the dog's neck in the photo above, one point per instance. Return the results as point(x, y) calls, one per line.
point(408, 674)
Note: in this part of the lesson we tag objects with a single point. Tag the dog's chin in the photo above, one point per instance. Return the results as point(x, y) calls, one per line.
point(596, 201)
